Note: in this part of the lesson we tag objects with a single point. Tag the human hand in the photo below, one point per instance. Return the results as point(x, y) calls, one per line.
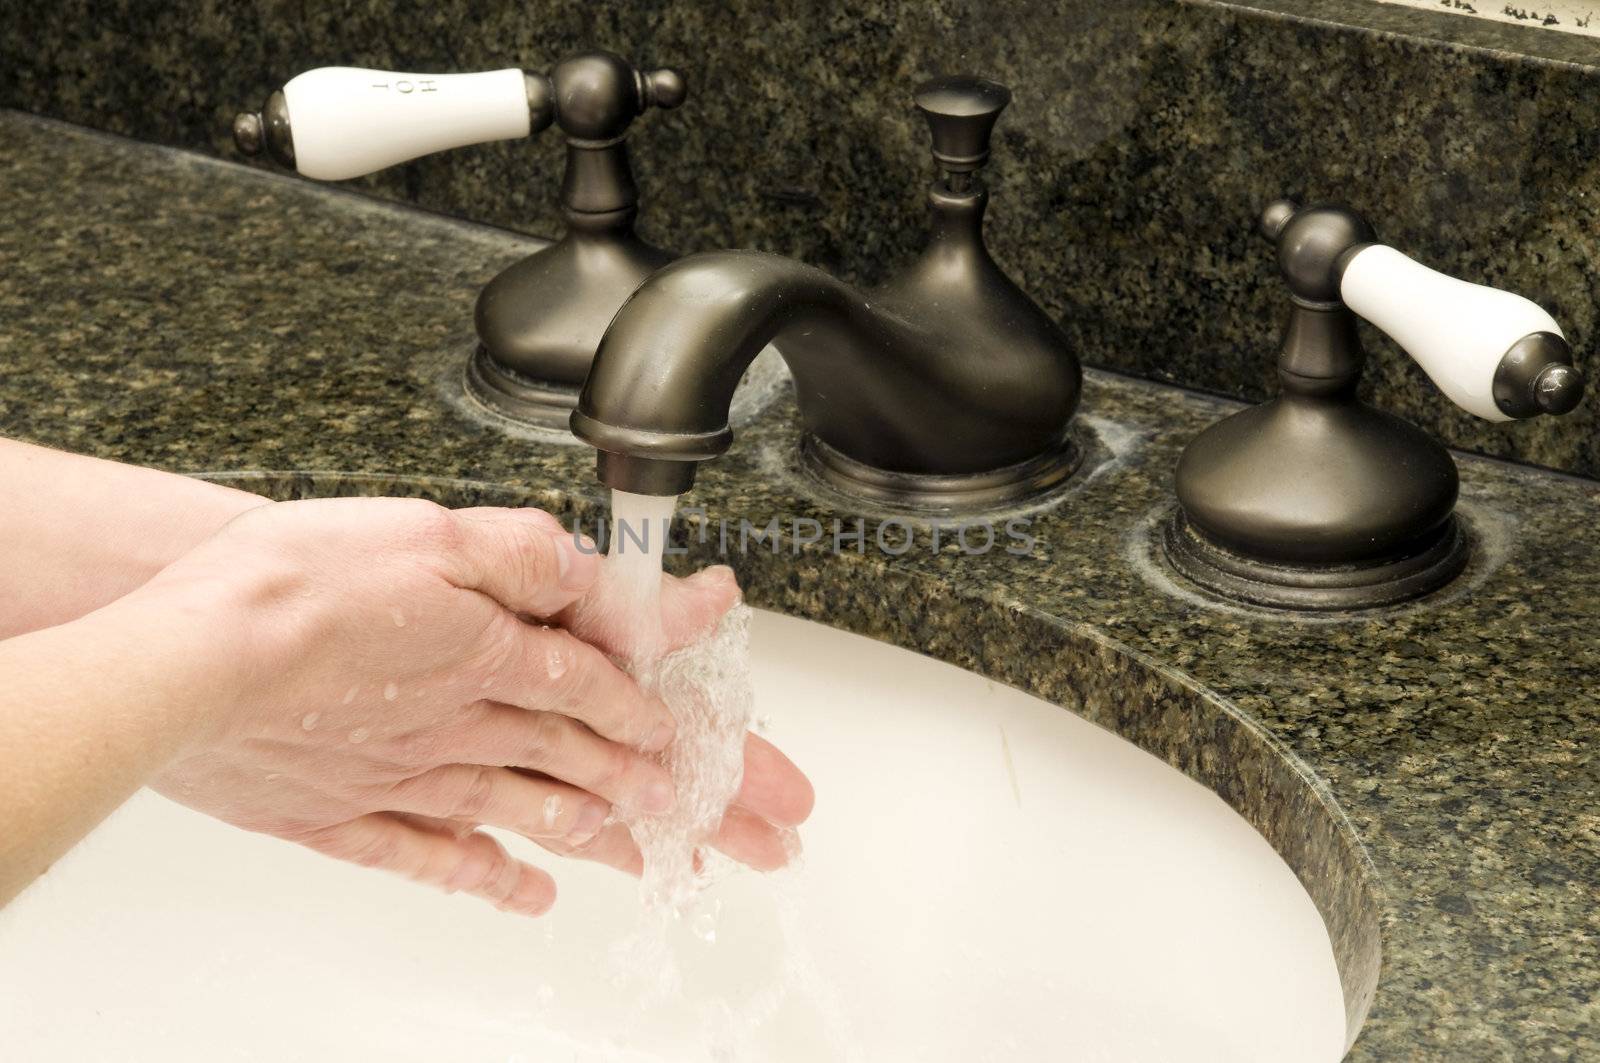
point(390, 700)
point(774, 797)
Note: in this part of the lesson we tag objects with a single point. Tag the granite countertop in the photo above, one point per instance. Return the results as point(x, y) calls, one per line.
point(1427, 771)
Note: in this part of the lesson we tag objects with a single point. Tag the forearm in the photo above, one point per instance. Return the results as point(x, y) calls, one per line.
point(90, 710)
point(78, 532)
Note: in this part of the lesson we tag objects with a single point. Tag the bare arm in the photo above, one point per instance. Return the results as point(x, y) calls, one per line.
point(77, 532)
point(89, 711)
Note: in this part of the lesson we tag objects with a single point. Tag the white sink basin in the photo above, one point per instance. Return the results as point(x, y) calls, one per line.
point(987, 876)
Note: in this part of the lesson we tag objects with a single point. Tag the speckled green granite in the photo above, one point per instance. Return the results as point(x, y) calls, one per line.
point(1428, 772)
point(1144, 136)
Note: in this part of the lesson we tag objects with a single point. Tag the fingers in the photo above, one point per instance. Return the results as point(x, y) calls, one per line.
point(773, 788)
point(522, 558)
point(474, 863)
point(456, 828)
point(559, 746)
point(754, 842)
point(541, 809)
point(773, 798)
point(613, 846)
point(552, 671)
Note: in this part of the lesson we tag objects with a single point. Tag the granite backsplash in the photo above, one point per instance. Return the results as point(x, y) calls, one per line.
point(1144, 137)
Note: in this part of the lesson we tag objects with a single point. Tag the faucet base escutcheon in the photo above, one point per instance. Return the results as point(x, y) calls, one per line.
point(941, 493)
point(1425, 567)
point(508, 393)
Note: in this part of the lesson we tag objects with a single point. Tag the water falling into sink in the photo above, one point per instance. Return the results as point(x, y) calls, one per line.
point(706, 686)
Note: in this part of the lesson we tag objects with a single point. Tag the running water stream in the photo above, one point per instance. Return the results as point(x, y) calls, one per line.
point(706, 687)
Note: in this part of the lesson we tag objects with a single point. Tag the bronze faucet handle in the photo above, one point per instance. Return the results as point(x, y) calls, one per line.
point(961, 111)
point(596, 95)
point(1316, 500)
point(540, 319)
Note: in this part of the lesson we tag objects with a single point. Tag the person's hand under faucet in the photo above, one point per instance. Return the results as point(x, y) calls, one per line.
point(351, 674)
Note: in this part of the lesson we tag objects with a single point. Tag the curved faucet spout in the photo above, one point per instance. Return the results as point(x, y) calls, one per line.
point(947, 389)
point(955, 372)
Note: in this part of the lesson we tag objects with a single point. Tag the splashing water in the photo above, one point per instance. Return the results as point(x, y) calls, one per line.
point(706, 687)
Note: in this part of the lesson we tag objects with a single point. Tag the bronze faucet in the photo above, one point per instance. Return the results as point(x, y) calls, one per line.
point(946, 389)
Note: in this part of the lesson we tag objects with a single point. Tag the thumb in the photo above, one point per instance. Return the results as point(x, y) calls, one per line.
point(691, 608)
point(522, 558)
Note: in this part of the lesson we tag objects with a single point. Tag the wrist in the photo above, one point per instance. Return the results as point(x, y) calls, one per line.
point(79, 532)
point(193, 639)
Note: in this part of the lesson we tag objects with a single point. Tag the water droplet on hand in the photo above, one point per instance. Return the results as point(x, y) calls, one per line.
point(350, 695)
point(552, 809)
point(556, 662)
point(399, 617)
point(391, 691)
point(359, 735)
point(309, 720)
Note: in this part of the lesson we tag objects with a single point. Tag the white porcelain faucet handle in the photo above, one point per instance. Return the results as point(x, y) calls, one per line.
point(1493, 353)
point(338, 122)
point(349, 121)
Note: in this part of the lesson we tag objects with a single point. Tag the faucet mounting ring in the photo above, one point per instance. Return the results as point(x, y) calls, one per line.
point(941, 493)
point(1424, 568)
point(506, 391)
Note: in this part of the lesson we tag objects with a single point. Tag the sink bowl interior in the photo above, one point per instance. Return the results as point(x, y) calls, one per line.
point(987, 876)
